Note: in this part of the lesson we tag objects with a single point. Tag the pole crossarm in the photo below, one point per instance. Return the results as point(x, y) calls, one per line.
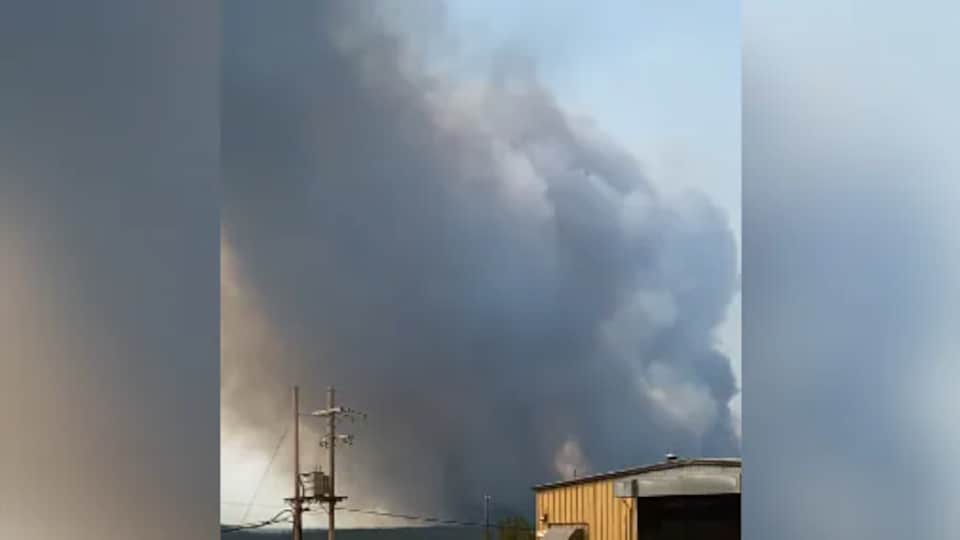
point(338, 411)
point(330, 441)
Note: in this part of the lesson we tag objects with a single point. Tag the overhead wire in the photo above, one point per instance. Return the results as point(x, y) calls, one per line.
point(381, 513)
point(225, 529)
point(428, 519)
point(258, 505)
point(266, 471)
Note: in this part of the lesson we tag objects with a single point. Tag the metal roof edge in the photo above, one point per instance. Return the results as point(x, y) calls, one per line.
point(709, 462)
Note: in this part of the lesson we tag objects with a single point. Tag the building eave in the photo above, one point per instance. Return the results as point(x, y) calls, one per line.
point(709, 462)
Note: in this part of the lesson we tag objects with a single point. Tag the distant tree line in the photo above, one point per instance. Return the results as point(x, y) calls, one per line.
point(515, 528)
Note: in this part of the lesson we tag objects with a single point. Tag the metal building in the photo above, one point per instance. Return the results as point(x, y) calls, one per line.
point(679, 499)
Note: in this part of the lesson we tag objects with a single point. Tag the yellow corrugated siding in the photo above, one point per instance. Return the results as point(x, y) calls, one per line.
point(591, 504)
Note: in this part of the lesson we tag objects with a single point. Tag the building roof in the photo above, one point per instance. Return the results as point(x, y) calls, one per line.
point(666, 465)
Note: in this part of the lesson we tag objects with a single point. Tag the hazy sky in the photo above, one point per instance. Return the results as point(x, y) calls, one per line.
point(662, 77)
point(851, 300)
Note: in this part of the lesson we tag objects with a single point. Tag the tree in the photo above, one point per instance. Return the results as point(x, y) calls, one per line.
point(515, 528)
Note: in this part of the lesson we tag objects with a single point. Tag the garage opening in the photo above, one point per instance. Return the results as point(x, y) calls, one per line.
point(702, 517)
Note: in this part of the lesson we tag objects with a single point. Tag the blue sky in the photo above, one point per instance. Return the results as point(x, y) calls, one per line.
point(662, 77)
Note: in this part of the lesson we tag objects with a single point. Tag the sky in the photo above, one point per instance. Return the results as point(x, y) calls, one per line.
point(850, 312)
point(662, 77)
point(505, 256)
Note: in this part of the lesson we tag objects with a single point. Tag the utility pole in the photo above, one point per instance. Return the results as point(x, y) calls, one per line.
point(330, 442)
point(486, 517)
point(332, 438)
point(297, 500)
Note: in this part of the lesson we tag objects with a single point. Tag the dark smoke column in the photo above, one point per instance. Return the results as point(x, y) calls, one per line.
point(493, 282)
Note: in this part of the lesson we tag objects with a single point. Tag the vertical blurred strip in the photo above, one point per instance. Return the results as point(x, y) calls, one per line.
point(109, 269)
point(851, 301)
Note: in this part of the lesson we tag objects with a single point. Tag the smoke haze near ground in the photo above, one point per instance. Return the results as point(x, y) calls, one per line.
point(109, 303)
point(496, 283)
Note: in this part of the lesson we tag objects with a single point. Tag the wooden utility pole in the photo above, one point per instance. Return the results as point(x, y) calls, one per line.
point(330, 442)
point(297, 500)
point(332, 438)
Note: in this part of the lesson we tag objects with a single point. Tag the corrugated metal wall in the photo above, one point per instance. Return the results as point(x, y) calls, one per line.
point(591, 504)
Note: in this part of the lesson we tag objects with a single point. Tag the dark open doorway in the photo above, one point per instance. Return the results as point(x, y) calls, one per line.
point(714, 517)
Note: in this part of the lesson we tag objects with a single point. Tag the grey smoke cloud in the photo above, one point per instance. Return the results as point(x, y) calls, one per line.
point(497, 284)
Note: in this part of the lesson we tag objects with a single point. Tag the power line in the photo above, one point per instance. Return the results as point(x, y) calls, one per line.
point(256, 491)
point(258, 505)
point(410, 517)
point(380, 513)
point(427, 519)
point(258, 525)
point(238, 528)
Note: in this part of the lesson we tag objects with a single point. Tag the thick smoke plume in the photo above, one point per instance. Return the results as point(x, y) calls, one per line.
point(498, 285)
